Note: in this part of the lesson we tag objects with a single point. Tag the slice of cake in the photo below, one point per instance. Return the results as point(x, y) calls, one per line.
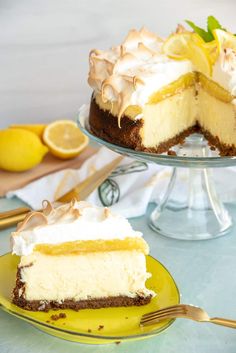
point(150, 93)
point(79, 256)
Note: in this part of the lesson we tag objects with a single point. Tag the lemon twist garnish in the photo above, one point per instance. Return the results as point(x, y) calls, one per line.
point(191, 46)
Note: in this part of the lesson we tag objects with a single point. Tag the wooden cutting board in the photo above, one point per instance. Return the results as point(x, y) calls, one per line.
point(12, 180)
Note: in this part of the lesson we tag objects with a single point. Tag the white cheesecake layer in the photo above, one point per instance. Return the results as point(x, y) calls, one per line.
point(217, 117)
point(168, 118)
point(80, 277)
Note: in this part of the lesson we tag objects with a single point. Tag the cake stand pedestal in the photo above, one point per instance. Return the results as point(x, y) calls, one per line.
point(199, 213)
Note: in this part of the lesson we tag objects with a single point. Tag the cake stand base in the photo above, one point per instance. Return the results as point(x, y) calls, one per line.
point(198, 214)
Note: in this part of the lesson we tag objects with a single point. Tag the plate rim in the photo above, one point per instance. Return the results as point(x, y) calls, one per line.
point(34, 322)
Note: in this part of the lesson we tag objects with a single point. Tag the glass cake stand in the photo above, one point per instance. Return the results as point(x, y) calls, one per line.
point(200, 214)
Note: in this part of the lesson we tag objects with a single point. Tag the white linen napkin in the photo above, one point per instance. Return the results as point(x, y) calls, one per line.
point(128, 190)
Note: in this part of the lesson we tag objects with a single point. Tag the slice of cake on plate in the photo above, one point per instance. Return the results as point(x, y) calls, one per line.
point(150, 93)
point(79, 256)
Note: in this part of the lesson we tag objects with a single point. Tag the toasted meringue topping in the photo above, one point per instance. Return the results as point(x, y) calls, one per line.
point(224, 70)
point(132, 71)
point(70, 222)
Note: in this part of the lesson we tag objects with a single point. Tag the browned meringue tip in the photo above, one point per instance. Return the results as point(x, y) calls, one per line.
point(110, 69)
point(34, 219)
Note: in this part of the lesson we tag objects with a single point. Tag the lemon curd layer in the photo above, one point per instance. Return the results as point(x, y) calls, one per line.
point(214, 89)
point(173, 88)
point(89, 246)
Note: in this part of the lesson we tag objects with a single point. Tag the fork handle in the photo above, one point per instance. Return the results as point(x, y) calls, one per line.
point(12, 220)
point(223, 322)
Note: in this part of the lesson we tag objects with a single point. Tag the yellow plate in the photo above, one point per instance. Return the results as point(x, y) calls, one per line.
point(97, 326)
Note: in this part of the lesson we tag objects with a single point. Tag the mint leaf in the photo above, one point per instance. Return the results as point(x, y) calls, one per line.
point(206, 36)
point(213, 23)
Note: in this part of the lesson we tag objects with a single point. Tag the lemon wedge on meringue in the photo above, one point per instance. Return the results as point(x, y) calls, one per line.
point(190, 46)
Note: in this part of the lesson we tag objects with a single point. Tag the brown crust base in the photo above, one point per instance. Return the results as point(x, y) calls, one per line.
point(104, 125)
point(225, 150)
point(42, 305)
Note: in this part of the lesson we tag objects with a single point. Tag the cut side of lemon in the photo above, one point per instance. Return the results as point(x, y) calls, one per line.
point(189, 46)
point(64, 139)
point(224, 39)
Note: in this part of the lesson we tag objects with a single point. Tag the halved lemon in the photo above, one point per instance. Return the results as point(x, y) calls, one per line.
point(224, 39)
point(64, 139)
point(189, 46)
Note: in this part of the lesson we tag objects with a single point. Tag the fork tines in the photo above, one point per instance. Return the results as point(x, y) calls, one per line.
point(162, 314)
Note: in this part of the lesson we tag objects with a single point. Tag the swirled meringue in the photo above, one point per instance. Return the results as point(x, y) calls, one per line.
point(129, 73)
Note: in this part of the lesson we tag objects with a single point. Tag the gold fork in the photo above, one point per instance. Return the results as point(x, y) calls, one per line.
point(184, 311)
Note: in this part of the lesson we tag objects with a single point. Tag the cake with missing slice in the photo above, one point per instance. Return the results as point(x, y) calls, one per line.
point(150, 93)
point(79, 256)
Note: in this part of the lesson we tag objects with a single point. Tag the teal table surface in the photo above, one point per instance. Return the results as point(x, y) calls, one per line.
point(205, 272)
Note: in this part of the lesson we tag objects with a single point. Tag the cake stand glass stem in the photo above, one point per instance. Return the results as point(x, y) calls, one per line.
point(190, 208)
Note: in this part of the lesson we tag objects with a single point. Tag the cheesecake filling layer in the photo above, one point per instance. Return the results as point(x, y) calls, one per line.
point(89, 276)
point(211, 113)
point(168, 118)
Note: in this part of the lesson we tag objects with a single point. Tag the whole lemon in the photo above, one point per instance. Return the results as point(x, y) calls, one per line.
point(20, 150)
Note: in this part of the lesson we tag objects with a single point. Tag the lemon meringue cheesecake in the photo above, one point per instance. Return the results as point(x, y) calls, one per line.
point(150, 93)
point(79, 256)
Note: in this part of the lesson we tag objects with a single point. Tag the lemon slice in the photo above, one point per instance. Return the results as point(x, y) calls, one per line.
point(213, 50)
point(176, 46)
point(64, 139)
point(224, 39)
point(200, 58)
point(189, 46)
